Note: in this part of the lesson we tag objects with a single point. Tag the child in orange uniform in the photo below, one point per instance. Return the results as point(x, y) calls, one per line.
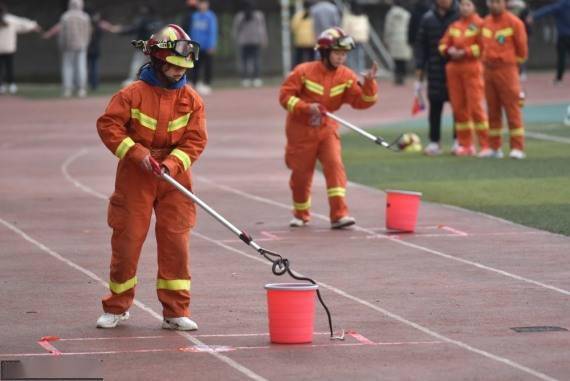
point(312, 89)
point(159, 117)
point(504, 46)
point(460, 45)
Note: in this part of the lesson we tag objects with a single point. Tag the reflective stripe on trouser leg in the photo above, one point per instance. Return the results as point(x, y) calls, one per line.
point(175, 215)
point(129, 216)
point(493, 108)
point(301, 159)
point(330, 157)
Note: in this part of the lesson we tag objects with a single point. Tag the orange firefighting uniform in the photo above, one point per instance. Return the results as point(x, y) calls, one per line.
point(504, 45)
point(313, 82)
point(170, 125)
point(465, 80)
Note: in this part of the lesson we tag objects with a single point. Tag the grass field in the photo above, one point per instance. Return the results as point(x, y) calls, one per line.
point(533, 192)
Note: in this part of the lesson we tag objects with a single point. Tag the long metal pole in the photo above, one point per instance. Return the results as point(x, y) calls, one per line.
point(375, 139)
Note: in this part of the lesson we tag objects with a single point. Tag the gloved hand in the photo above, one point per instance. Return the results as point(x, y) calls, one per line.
point(150, 164)
point(318, 112)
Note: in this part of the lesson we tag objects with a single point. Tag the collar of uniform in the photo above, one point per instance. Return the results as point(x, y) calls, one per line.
point(149, 76)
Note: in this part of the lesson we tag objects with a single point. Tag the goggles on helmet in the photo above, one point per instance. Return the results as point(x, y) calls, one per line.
point(345, 42)
point(183, 48)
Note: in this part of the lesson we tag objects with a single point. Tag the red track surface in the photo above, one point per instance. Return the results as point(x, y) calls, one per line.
point(433, 305)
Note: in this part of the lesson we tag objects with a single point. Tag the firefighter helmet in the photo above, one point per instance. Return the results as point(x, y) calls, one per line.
point(334, 39)
point(171, 44)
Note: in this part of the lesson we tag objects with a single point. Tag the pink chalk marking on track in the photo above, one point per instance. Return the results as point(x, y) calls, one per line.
point(49, 347)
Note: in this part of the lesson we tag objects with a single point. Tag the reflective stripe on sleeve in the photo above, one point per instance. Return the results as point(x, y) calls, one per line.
point(292, 102)
point(442, 48)
point(183, 156)
point(143, 119)
point(369, 98)
point(124, 147)
point(336, 192)
point(173, 284)
point(178, 123)
point(119, 288)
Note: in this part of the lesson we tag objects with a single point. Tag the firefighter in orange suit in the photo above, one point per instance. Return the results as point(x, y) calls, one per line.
point(307, 93)
point(158, 116)
point(460, 45)
point(504, 46)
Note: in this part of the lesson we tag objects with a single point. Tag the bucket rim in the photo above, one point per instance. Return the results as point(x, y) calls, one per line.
point(291, 286)
point(411, 193)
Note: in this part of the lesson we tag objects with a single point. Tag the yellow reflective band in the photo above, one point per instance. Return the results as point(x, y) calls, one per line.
point(475, 50)
point(143, 119)
point(302, 205)
point(507, 32)
point(517, 131)
point(369, 98)
point(178, 123)
point(125, 145)
point(339, 89)
point(487, 33)
point(520, 60)
point(463, 126)
point(482, 126)
point(495, 132)
point(336, 192)
point(471, 32)
point(183, 156)
point(119, 288)
point(454, 32)
point(292, 102)
point(442, 48)
point(314, 87)
point(173, 284)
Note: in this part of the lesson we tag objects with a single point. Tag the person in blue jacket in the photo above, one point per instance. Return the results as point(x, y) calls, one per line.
point(204, 30)
point(561, 12)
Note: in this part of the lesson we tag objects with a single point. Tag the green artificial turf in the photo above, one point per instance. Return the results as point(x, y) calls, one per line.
point(533, 192)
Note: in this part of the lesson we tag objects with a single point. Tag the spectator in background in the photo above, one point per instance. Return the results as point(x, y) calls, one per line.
point(419, 10)
point(356, 24)
point(250, 33)
point(143, 26)
point(98, 27)
point(432, 64)
point(74, 32)
point(561, 12)
point(10, 27)
point(303, 35)
point(205, 32)
point(396, 37)
point(325, 15)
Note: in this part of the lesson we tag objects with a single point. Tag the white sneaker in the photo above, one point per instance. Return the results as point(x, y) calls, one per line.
point(486, 153)
point(343, 222)
point(3, 89)
point(180, 324)
point(517, 154)
point(108, 320)
point(67, 93)
point(432, 149)
point(297, 222)
point(246, 82)
point(257, 82)
point(12, 89)
point(496, 154)
point(82, 93)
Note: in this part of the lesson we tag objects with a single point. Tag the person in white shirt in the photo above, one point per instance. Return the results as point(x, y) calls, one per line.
point(10, 27)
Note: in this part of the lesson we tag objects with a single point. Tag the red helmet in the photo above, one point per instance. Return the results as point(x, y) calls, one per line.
point(171, 44)
point(335, 39)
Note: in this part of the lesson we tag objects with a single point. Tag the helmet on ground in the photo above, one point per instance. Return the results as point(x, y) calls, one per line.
point(171, 44)
point(335, 39)
point(409, 142)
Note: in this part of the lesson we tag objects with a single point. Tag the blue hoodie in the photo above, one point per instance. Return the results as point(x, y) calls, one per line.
point(561, 12)
point(205, 29)
point(149, 76)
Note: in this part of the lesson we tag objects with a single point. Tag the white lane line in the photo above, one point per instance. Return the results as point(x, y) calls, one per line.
point(383, 311)
point(401, 242)
point(546, 137)
point(69, 178)
point(237, 366)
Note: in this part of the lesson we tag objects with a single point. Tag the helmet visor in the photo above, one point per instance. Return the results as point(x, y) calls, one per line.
point(345, 42)
point(182, 48)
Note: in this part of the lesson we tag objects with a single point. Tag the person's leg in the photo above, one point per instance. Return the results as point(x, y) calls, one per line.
point(208, 65)
point(560, 58)
point(509, 85)
point(175, 215)
point(301, 160)
point(67, 72)
point(435, 110)
point(91, 68)
point(474, 85)
point(82, 72)
point(256, 61)
point(196, 72)
point(493, 108)
point(329, 154)
point(10, 79)
point(244, 61)
point(457, 90)
point(129, 216)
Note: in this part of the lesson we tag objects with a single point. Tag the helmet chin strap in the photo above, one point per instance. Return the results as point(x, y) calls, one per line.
point(326, 58)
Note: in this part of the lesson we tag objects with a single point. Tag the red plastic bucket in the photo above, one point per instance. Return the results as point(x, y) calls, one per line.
point(291, 312)
point(402, 210)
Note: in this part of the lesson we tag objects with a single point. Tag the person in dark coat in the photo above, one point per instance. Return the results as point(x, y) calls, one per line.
point(418, 11)
point(430, 63)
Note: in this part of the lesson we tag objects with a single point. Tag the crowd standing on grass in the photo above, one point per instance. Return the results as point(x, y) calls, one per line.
point(10, 27)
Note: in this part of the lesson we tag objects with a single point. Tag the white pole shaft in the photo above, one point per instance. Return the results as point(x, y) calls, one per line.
point(358, 129)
